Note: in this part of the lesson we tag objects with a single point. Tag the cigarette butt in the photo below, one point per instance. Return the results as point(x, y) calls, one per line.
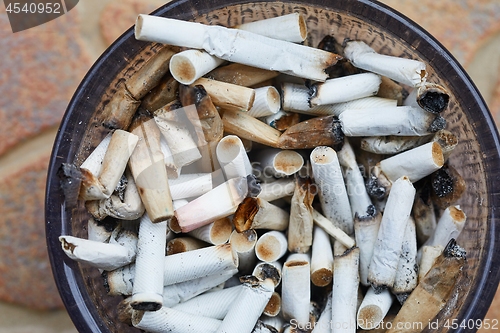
point(319, 131)
point(184, 244)
point(428, 257)
point(321, 258)
point(189, 65)
point(278, 189)
point(447, 140)
point(202, 210)
point(300, 227)
point(332, 230)
point(247, 127)
point(228, 96)
point(271, 246)
point(243, 244)
point(345, 89)
point(449, 226)
point(120, 110)
point(374, 308)
point(97, 232)
point(431, 97)
point(448, 186)
point(282, 120)
point(365, 232)
point(432, 292)
point(391, 90)
point(295, 288)
point(291, 27)
point(268, 270)
point(331, 188)
point(345, 290)
point(150, 74)
point(164, 93)
point(273, 306)
point(407, 272)
point(190, 185)
point(241, 75)
point(267, 102)
point(233, 158)
point(93, 163)
point(278, 163)
point(216, 233)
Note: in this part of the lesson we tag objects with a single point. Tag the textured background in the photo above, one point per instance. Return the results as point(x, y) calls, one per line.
point(39, 72)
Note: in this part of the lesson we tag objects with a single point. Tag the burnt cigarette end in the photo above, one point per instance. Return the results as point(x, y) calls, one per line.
point(377, 289)
point(124, 311)
point(434, 101)
point(442, 183)
point(146, 306)
point(192, 94)
point(245, 213)
point(402, 297)
point(329, 43)
point(313, 90)
point(437, 124)
point(337, 134)
point(70, 179)
point(453, 250)
point(104, 276)
point(374, 189)
point(447, 186)
point(253, 186)
point(268, 271)
point(250, 279)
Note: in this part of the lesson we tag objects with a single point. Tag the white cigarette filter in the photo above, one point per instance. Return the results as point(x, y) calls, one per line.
point(105, 256)
point(190, 185)
point(366, 232)
point(388, 248)
point(331, 188)
point(344, 89)
point(199, 263)
point(321, 258)
point(179, 136)
point(147, 292)
point(268, 270)
point(267, 102)
point(407, 71)
point(291, 27)
point(415, 163)
point(171, 320)
point(243, 244)
point(450, 225)
point(219, 202)
point(271, 246)
point(399, 120)
point(213, 304)
point(278, 162)
point(345, 291)
point(189, 65)
point(374, 308)
point(233, 157)
point(329, 227)
point(238, 46)
point(407, 272)
point(248, 307)
point(295, 288)
point(256, 213)
point(215, 233)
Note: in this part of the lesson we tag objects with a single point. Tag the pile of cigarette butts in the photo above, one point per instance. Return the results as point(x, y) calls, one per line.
point(251, 183)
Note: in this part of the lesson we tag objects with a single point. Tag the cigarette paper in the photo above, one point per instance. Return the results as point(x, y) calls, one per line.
point(148, 169)
point(428, 256)
point(105, 256)
point(198, 263)
point(267, 102)
point(450, 225)
point(415, 163)
point(323, 325)
point(431, 97)
point(346, 88)
point(278, 189)
point(190, 185)
point(365, 232)
point(392, 144)
point(227, 95)
point(432, 292)
point(407, 271)
point(321, 258)
point(215, 233)
point(147, 292)
point(384, 264)
point(120, 110)
point(271, 246)
point(247, 308)
point(399, 120)
point(93, 163)
point(173, 122)
point(241, 75)
point(247, 127)
point(345, 291)
point(189, 65)
point(407, 71)
point(172, 320)
point(300, 227)
point(164, 93)
point(331, 188)
point(332, 230)
point(256, 213)
point(97, 232)
point(374, 308)
point(184, 244)
point(282, 120)
point(213, 304)
point(243, 243)
point(278, 163)
point(291, 27)
point(217, 203)
point(233, 158)
point(268, 270)
point(295, 288)
point(238, 46)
